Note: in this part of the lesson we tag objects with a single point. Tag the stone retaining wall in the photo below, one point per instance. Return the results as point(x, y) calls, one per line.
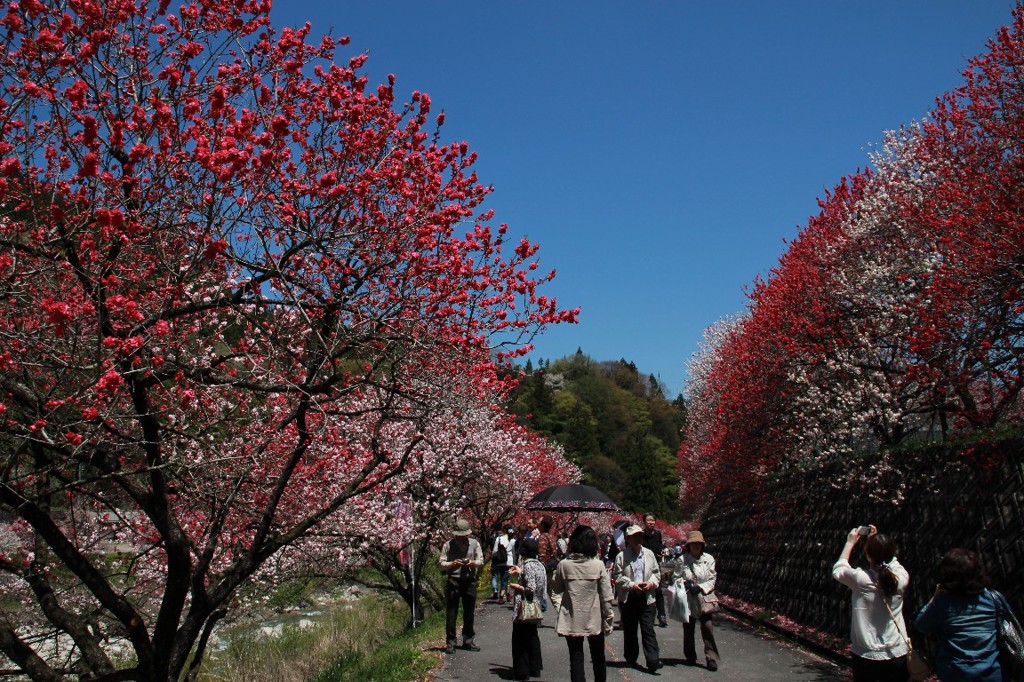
point(775, 547)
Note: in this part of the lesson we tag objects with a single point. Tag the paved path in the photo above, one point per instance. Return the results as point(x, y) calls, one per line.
point(746, 655)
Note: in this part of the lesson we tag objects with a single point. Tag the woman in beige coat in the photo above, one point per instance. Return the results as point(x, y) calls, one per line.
point(582, 581)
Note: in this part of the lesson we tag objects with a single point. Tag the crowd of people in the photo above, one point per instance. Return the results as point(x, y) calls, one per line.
point(629, 574)
point(589, 581)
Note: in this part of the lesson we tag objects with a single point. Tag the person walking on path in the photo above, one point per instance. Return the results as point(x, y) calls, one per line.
point(501, 560)
point(547, 553)
point(653, 541)
point(460, 558)
point(697, 571)
point(961, 615)
point(585, 603)
point(878, 635)
point(637, 576)
point(532, 584)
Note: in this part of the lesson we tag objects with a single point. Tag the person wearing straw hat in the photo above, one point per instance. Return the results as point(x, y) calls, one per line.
point(460, 558)
point(698, 575)
point(637, 576)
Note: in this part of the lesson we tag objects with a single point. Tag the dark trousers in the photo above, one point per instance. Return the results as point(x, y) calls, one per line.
point(454, 593)
point(659, 601)
point(526, 658)
point(707, 633)
point(576, 665)
point(635, 612)
point(888, 670)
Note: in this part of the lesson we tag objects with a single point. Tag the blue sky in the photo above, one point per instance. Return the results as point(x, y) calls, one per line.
point(661, 152)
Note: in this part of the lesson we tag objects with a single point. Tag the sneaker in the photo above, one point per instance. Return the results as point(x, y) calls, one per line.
point(653, 668)
point(663, 623)
point(712, 665)
point(450, 649)
point(470, 646)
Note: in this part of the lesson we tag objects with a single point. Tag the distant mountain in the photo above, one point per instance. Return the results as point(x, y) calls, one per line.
point(614, 422)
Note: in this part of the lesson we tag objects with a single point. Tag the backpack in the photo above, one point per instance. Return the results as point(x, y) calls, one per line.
point(500, 555)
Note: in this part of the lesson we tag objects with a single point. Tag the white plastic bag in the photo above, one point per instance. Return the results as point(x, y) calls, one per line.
point(677, 602)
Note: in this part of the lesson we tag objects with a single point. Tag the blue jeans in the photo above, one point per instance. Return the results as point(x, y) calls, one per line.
point(499, 578)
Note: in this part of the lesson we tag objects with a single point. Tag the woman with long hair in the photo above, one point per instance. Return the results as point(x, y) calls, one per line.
point(962, 617)
point(879, 641)
point(585, 611)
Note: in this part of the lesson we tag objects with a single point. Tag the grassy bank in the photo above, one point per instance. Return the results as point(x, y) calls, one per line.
point(368, 641)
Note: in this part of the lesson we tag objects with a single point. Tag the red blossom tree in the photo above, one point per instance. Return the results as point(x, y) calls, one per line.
point(897, 312)
point(229, 269)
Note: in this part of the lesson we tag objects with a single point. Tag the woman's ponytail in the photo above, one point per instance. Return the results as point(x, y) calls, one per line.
point(881, 550)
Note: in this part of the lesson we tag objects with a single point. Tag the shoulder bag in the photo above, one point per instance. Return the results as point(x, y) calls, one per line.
point(708, 603)
point(1011, 639)
point(918, 666)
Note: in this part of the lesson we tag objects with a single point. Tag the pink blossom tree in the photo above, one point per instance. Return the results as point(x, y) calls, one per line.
point(477, 462)
point(228, 265)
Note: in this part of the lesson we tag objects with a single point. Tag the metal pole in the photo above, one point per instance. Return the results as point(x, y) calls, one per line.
point(412, 578)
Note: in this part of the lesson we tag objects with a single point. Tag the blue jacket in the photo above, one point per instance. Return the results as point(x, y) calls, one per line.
point(964, 626)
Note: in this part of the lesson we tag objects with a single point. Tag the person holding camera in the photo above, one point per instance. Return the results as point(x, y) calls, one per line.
point(460, 558)
point(878, 634)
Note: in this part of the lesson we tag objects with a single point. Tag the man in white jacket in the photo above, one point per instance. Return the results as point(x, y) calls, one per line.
point(637, 576)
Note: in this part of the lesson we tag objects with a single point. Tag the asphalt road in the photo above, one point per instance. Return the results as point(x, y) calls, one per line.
point(746, 654)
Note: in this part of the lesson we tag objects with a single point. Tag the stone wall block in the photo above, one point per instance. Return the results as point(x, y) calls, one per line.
point(775, 546)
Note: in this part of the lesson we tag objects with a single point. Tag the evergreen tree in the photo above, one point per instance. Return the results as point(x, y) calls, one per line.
point(614, 422)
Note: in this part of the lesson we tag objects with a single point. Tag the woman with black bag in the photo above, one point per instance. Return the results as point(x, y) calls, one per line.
point(962, 615)
point(530, 588)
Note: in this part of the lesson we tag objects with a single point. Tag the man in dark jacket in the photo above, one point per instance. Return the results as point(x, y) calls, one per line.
point(652, 541)
point(547, 554)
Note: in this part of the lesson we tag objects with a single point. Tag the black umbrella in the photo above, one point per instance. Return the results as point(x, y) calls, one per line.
point(572, 498)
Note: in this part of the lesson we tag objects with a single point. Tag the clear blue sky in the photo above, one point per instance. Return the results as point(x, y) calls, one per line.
point(660, 152)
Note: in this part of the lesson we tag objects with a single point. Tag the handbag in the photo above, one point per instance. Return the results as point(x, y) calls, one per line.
point(918, 666)
point(528, 611)
point(1011, 640)
point(708, 603)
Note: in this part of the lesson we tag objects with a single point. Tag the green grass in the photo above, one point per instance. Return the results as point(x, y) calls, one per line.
point(368, 640)
point(401, 659)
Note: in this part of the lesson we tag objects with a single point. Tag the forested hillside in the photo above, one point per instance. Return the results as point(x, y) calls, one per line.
point(614, 422)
